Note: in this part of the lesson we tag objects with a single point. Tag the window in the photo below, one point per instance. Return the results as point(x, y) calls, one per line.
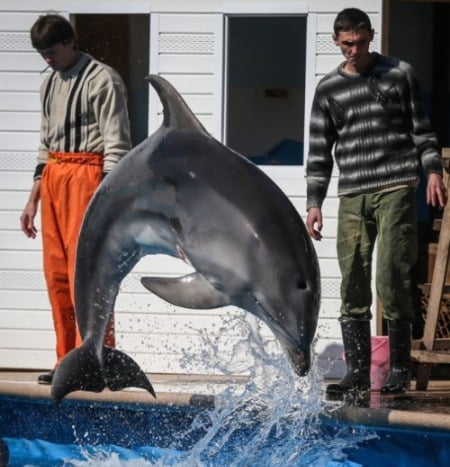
point(265, 90)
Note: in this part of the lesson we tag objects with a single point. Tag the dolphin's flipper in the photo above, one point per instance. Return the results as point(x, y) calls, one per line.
point(121, 371)
point(79, 370)
point(190, 291)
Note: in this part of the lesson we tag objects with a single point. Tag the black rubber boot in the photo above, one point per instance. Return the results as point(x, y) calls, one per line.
point(358, 355)
point(400, 357)
point(46, 378)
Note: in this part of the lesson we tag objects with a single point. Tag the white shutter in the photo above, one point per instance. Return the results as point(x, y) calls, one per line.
point(26, 331)
point(187, 50)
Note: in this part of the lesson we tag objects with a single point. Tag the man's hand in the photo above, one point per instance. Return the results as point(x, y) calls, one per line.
point(27, 220)
point(314, 223)
point(436, 191)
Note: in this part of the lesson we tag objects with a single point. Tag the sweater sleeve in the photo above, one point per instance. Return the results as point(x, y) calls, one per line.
point(110, 108)
point(42, 157)
point(319, 165)
point(421, 132)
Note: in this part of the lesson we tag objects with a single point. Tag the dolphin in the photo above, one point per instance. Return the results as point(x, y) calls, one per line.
point(184, 194)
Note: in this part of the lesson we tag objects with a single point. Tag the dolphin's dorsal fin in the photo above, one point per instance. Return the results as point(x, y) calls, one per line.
point(177, 114)
point(190, 291)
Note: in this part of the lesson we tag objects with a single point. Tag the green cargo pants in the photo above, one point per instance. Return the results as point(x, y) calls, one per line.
point(390, 218)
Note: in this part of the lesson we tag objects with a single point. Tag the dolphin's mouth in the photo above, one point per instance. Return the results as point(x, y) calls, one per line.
point(300, 360)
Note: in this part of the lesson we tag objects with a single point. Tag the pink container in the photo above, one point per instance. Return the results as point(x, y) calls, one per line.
point(379, 370)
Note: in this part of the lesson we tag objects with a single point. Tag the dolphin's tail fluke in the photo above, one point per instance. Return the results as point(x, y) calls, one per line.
point(82, 370)
point(121, 371)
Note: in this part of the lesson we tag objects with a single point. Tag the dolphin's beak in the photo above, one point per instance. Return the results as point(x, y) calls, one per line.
point(300, 360)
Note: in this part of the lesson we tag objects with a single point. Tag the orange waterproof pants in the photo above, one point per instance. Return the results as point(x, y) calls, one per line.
point(68, 183)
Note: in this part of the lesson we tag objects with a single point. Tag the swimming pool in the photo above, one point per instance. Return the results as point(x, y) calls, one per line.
point(78, 432)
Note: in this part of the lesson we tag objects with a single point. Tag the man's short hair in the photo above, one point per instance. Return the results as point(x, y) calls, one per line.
point(352, 19)
point(49, 30)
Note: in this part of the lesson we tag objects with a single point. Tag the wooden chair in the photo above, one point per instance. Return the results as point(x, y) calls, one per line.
point(431, 349)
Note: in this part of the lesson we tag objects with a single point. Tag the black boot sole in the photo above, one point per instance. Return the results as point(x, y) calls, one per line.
point(46, 378)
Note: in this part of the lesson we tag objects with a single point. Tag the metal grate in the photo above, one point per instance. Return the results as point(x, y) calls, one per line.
point(186, 43)
point(22, 280)
point(331, 288)
point(15, 42)
point(18, 160)
point(326, 46)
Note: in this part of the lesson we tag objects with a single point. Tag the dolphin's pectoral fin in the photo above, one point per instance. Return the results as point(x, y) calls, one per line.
point(79, 370)
point(190, 291)
point(121, 371)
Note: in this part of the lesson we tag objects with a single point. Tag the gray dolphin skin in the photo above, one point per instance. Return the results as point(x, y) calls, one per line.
point(184, 194)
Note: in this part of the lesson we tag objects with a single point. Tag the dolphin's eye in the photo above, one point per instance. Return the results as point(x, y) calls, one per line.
point(301, 284)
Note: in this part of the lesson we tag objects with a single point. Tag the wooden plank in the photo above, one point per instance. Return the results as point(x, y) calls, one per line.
point(325, 20)
point(426, 288)
point(445, 153)
point(437, 223)
point(423, 376)
point(26, 319)
point(20, 102)
point(9, 220)
point(19, 121)
point(439, 275)
point(186, 64)
point(433, 356)
point(13, 21)
point(326, 248)
point(31, 339)
point(200, 84)
point(327, 63)
point(22, 61)
point(15, 180)
point(442, 344)
point(16, 240)
point(19, 140)
point(20, 81)
point(187, 23)
point(27, 359)
point(14, 200)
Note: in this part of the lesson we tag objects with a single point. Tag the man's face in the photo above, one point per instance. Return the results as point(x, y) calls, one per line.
point(354, 46)
point(60, 57)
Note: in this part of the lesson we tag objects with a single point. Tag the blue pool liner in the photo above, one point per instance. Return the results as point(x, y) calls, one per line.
point(43, 453)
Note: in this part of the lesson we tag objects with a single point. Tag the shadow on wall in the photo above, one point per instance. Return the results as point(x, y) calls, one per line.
point(330, 362)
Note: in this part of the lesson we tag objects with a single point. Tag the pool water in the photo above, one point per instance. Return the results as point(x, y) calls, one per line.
point(276, 419)
point(38, 433)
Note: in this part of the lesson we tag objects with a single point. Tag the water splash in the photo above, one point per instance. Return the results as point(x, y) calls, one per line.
point(276, 418)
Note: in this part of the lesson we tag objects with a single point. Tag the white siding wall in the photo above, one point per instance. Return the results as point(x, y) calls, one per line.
point(186, 48)
point(26, 337)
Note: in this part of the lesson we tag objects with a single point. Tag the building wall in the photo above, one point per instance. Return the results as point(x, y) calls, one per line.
point(186, 46)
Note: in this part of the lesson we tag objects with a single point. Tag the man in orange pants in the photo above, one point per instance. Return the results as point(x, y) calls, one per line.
point(84, 133)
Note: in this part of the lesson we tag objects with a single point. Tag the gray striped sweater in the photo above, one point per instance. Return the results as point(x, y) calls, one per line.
point(374, 126)
point(84, 109)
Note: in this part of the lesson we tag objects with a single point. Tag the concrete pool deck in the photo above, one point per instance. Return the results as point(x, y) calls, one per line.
point(419, 409)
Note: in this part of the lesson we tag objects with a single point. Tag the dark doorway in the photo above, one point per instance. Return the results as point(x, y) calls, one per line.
point(122, 41)
point(266, 88)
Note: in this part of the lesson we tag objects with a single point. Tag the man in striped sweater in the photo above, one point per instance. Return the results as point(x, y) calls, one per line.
point(367, 117)
point(84, 132)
